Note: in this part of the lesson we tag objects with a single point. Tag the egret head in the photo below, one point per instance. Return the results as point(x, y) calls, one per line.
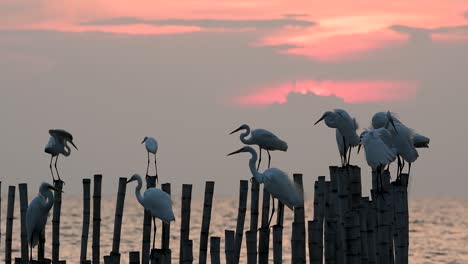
point(46, 187)
point(135, 177)
point(244, 149)
point(392, 122)
point(144, 140)
point(329, 117)
point(360, 140)
point(244, 126)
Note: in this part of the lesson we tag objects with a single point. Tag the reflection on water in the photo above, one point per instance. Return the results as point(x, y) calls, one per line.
point(438, 228)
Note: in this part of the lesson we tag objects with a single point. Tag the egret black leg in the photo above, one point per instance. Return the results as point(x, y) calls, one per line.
point(409, 168)
point(269, 158)
point(154, 232)
point(58, 175)
point(402, 165)
point(399, 166)
point(156, 168)
point(259, 157)
point(344, 151)
point(147, 166)
point(30, 250)
point(349, 155)
point(272, 212)
point(50, 166)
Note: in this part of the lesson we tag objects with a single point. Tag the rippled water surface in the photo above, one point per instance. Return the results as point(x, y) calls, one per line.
point(438, 228)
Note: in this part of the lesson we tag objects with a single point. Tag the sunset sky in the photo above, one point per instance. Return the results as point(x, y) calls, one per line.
point(189, 72)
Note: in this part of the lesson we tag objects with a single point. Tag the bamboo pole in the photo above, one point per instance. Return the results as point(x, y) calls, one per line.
point(23, 196)
point(339, 188)
point(134, 257)
point(383, 228)
point(277, 244)
point(229, 246)
point(243, 190)
point(401, 220)
point(355, 186)
point(56, 221)
point(214, 250)
point(166, 230)
point(330, 225)
point(115, 253)
point(319, 216)
point(206, 220)
point(353, 242)
point(9, 223)
point(147, 221)
point(96, 218)
point(264, 232)
point(188, 252)
point(86, 217)
point(363, 211)
point(314, 239)
point(252, 235)
point(372, 232)
point(251, 239)
point(185, 215)
point(298, 248)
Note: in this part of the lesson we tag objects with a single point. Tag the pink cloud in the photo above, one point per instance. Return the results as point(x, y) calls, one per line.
point(349, 91)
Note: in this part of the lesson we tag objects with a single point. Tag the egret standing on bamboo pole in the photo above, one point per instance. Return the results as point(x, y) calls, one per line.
point(156, 201)
point(275, 181)
point(264, 139)
point(345, 127)
point(36, 215)
point(58, 145)
point(151, 146)
point(405, 139)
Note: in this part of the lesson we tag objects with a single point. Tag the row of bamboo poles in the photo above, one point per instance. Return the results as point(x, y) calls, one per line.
point(346, 228)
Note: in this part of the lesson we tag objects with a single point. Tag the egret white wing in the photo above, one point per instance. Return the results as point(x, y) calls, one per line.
point(159, 203)
point(282, 187)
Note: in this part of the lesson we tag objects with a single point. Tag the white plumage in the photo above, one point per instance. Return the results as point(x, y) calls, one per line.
point(156, 201)
point(345, 131)
point(378, 147)
point(264, 139)
point(58, 145)
point(275, 181)
point(151, 146)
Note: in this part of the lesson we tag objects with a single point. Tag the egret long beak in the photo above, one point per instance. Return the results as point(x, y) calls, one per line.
point(73, 144)
point(130, 180)
point(390, 118)
point(55, 189)
point(318, 121)
point(235, 152)
point(359, 148)
point(235, 130)
point(143, 140)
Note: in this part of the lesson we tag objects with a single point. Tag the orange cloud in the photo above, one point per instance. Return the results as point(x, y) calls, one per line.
point(349, 91)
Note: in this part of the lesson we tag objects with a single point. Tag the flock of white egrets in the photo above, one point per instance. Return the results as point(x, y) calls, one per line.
point(385, 141)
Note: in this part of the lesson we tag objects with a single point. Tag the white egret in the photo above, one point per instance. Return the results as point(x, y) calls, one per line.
point(151, 146)
point(264, 139)
point(275, 181)
point(58, 145)
point(36, 214)
point(405, 139)
point(157, 202)
point(379, 149)
point(345, 129)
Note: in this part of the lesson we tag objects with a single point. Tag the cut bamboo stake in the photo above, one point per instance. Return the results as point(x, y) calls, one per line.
point(205, 227)
point(9, 224)
point(314, 239)
point(402, 220)
point(188, 252)
point(134, 257)
point(330, 225)
point(355, 187)
point(372, 232)
point(147, 221)
point(185, 221)
point(96, 218)
point(86, 216)
point(383, 229)
point(277, 244)
point(298, 247)
point(229, 246)
point(166, 230)
point(214, 250)
point(363, 211)
point(56, 221)
point(115, 253)
point(339, 189)
point(353, 242)
point(264, 232)
point(243, 190)
point(319, 216)
point(23, 195)
point(251, 239)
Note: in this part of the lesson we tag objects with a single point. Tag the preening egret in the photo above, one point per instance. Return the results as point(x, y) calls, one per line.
point(156, 201)
point(36, 214)
point(151, 146)
point(264, 139)
point(345, 129)
point(276, 182)
point(58, 145)
point(405, 139)
point(379, 149)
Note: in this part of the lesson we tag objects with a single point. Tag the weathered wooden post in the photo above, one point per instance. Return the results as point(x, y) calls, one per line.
point(96, 218)
point(134, 257)
point(86, 217)
point(298, 247)
point(401, 220)
point(251, 235)
point(166, 230)
point(185, 215)
point(214, 250)
point(264, 232)
point(243, 190)
point(23, 195)
point(147, 221)
point(205, 226)
point(9, 223)
point(115, 253)
point(56, 221)
point(229, 246)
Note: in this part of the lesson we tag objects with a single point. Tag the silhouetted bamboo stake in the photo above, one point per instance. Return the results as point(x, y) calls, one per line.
point(330, 224)
point(185, 215)
point(402, 220)
point(214, 250)
point(115, 253)
point(251, 239)
point(166, 230)
point(363, 212)
point(147, 221)
point(353, 242)
point(372, 232)
point(264, 232)
point(86, 216)
point(383, 228)
point(205, 227)
point(96, 218)
point(134, 257)
point(252, 236)
point(107, 260)
point(340, 202)
point(229, 246)
point(278, 234)
point(319, 215)
point(56, 221)
point(298, 247)
point(9, 224)
point(188, 252)
point(315, 251)
point(23, 195)
point(243, 190)
point(355, 187)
